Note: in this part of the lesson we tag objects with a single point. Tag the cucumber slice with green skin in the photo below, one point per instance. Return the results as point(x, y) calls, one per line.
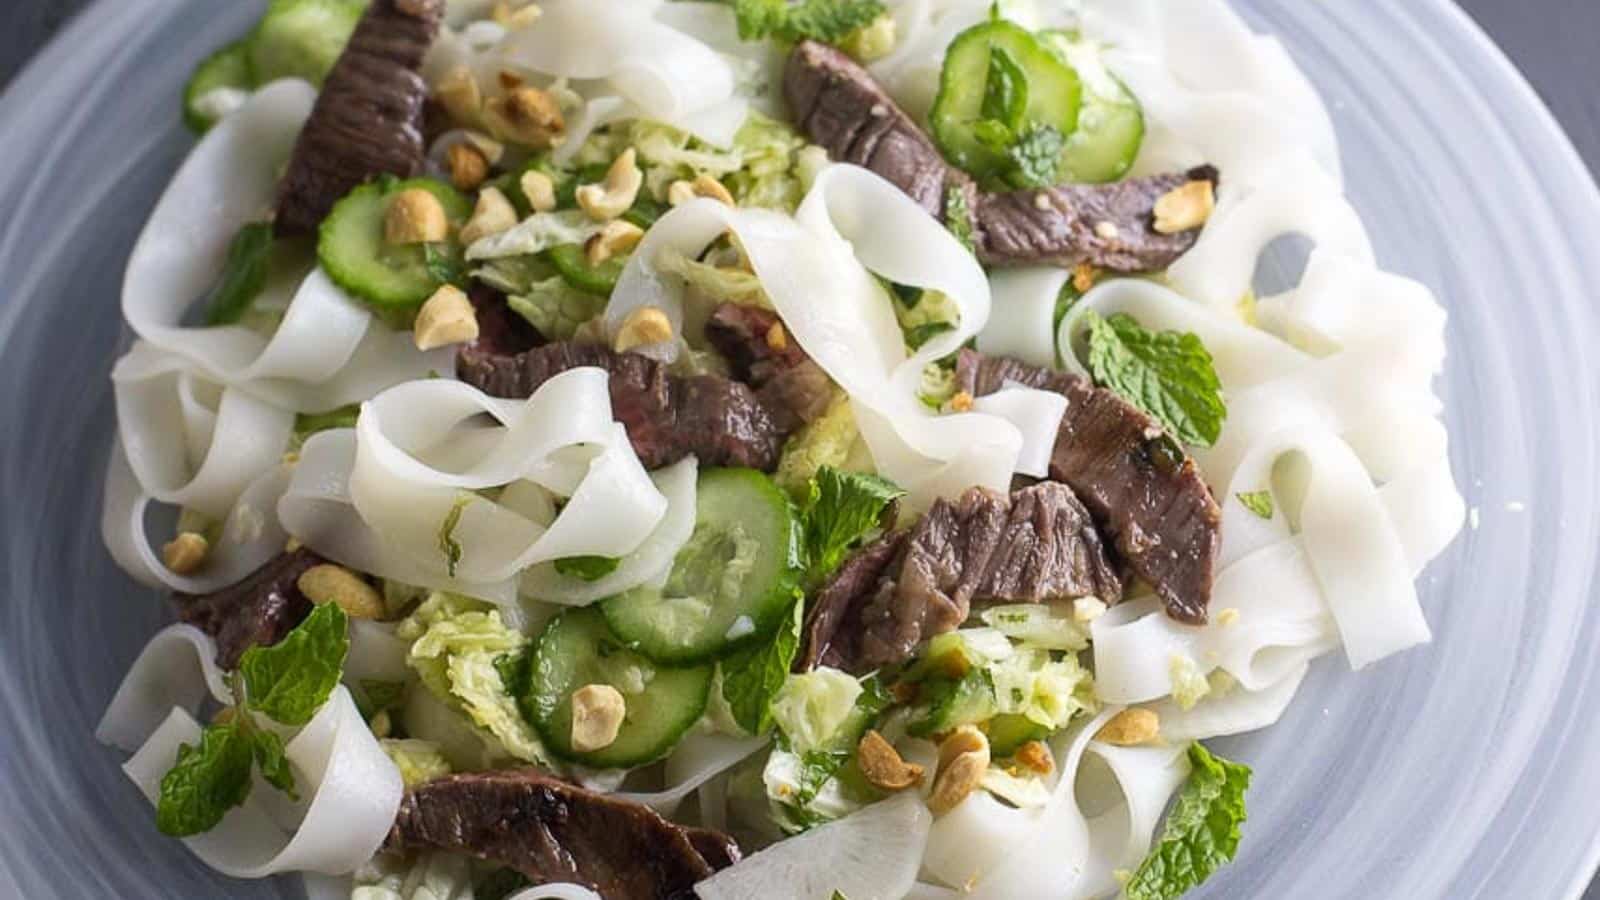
point(570, 261)
point(732, 584)
point(393, 280)
point(959, 123)
point(302, 38)
point(1111, 122)
point(1009, 731)
point(577, 649)
point(227, 69)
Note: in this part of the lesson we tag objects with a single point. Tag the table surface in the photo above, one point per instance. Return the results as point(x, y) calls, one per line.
point(1552, 41)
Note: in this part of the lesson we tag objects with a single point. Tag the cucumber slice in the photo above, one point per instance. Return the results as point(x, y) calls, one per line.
point(393, 280)
point(227, 69)
point(601, 280)
point(302, 38)
point(1009, 731)
point(577, 649)
point(1111, 122)
point(732, 584)
point(961, 126)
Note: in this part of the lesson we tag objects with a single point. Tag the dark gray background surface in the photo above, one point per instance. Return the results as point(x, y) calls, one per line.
point(1554, 42)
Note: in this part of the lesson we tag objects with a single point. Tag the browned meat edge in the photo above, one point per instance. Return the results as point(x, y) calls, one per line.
point(260, 610)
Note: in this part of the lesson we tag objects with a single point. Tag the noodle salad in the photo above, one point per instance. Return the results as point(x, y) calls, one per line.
point(753, 448)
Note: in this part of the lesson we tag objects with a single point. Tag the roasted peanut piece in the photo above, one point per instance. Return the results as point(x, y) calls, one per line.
point(540, 189)
point(526, 115)
point(597, 713)
point(604, 202)
point(706, 186)
point(459, 94)
point(492, 215)
point(415, 216)
point(963, 758)
point(777, 337)
point(1186, 207)
point(616, 238)
point(1036, 756)
point(329, 583)
point(447, 318)
point(1107, 231)
point(961, 402)
point(882, 765)
point(1087, 609)
point(382, 724)
point(186, 553)
point(1228, 616)
point(467, 165)
point(644, 326)
point(513, 17)
point(1131, 727)
point(1083, 278)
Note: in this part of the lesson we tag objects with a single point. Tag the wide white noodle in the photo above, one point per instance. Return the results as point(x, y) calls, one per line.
point(560, 891)
point(696, 760)
point(350, 788)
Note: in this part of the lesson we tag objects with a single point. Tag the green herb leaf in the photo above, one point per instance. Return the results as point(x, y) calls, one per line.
point(829, 21)
point(308, 424)
point(206, 781)
point(244, 275)
point(908, 296)
point(958, 216)
point(291, 680)
point(1005, 94)
point(1258, 502)
point(1036, 157)
point(1202, 832)
point(918, 335)
point(445, 267)
point(273, 762)
point(377, 696)
point(752, 676)
point(448, 545)
point(841, 509)
point(817, 766)
point(588, 568)
point(1167, 374)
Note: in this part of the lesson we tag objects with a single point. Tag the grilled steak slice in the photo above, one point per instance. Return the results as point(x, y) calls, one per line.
point(368, 118)
point(258, 611)
point(793, 388)
point(841, 107)
point(552, 831)
point(1142, 489)
point(668, 416)
point(1038, 544)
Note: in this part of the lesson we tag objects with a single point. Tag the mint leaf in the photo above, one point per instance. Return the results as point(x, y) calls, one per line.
point(818, 766)
point(377, 696)
point(291, 680)
point(448, 545)
point(752, 676)
point(244, 274)
point(308, 424)
point(273, 762)
point(588, 568)
point(206, 781)
point(1202, 831)
point(958, 216)
point(1258, 502)
point(1036, 157)
point(840, 510)
point(443, 266)
point(1167, 374)
point(917, 335)
point(1005, 94)
point(829, 21)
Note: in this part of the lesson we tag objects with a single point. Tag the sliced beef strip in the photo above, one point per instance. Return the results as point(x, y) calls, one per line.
point(841, 107)
point(258, 611)
point(794, 388)
point(552, 831)
point(1038, 544)
point(1142, 489)
point(368, 119)
point(668, 416)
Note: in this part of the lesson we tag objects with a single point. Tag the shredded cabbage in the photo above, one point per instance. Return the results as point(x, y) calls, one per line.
point(556, 308)
point(830, 440)
point(536, 234)
point(419, 761)
point(1049, 692)
point(432, 876)
point(716, 283)
point(1042, 625)
point(809, 708)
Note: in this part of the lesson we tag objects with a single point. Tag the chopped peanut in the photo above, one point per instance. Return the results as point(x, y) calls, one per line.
point(963, 758)
point(882, 765)
point(644, 326)
point(467, 165)
point(597, 714)
point(1131, 727)
point(415, 216)
point(513, 17)
point(1228, 616)
point(1186, 207)
point(459, 94)
point(1036, 756)
point(447, 318)
point(682, 192)
point(1083, 278)
point(492, 215)
point(777, 337)
point(616, 238)
point(604, 202)
point(329, 583)
point(1087, 609)
point(961, 402)
point(186, 553)
point(382, 724)
point(526, 115)
point(1107, 231)
point(540, 189)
